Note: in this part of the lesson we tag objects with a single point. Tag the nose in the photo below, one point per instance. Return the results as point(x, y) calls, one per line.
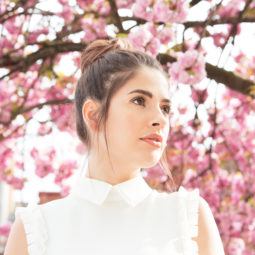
point(159, 118)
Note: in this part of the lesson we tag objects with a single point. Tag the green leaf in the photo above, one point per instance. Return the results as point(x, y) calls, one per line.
point(122, 35)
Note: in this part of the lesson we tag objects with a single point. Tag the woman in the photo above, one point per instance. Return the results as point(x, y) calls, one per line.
point(122, 116)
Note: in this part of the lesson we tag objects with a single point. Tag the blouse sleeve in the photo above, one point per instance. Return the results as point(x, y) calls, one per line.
point(35, 228)
point(189, 212)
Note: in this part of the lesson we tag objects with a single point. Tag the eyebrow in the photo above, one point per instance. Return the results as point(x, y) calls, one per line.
point(148, 94)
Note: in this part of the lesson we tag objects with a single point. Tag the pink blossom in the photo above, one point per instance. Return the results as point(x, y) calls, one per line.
point(156, 173)
point(246, 66)
point(174, 11)
point(236, 246)
point(30, 3)
point(153, 47)
point(20, 164)
point(54, 92)
point(63, 2)
point(5, 153)
point(179, 11)
point(124, 3)
point(236, 227)
point(160, 11)
point(193, 153)
point(81, 148)
point(34, 153)
point(199, 96)
point(231, 9)
point(32, 36)
point(166, 35)
point(43, 161)
point(100, 27)
point(189, 68)
point(11, 26)
point(89, 35)
point(84, 3)
point(140, 37)
point(5, 46)
point(51, 153)
point(5, 229)
point(5, 116)
point(43, 168)
point(143, 9)
point(102, 7)
point(151, 27)
point(65, 190)
point(77, 60)
point(35, 67)
point(62, 115)
point(93, 28)
point(219, 38)
point(67, 13)
point(65, 170)
point(15, 182)
point(45, 129)
point(182, 109)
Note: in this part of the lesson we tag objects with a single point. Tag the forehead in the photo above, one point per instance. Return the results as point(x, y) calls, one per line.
point(150, 79)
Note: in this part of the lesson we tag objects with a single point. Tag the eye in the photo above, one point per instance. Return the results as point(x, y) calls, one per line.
point(139, 99)
point(167, 109)
point(142, 100)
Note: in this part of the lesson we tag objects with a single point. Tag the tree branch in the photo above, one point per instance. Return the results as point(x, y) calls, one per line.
point(220, 75)
point(49, 50)
point(115, 16)
point(188, 24)
point(225, 21)
point(194, 2)
point(22, 110)
point(50, 102)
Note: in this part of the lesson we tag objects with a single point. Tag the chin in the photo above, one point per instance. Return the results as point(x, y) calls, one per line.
point(150, 162)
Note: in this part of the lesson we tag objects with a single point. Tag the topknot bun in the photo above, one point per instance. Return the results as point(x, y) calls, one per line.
point(99, 47)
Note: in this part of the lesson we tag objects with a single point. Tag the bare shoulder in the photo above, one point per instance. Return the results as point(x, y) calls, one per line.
point(16, 243)
point(208, 239)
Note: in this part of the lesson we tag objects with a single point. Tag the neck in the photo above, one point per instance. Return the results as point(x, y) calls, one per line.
point(117, 172)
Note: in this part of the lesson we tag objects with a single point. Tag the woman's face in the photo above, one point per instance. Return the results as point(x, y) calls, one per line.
point(133, 115)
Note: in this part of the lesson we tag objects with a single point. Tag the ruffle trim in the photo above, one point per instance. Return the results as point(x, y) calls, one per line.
point(191, 200)
point(35, 228)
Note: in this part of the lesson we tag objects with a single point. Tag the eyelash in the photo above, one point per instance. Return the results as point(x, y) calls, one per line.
point(167, 112)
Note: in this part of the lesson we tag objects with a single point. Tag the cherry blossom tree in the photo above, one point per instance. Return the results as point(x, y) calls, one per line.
point(211, 142)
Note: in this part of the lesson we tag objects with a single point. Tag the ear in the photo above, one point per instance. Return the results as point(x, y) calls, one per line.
point(89, 113)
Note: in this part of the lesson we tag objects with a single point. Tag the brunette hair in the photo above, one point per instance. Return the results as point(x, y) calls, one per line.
point(106, 65)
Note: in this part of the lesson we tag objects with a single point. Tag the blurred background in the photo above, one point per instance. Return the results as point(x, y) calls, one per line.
point(206, 48)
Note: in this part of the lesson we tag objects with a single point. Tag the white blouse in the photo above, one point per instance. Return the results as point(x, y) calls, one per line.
point(128, 218)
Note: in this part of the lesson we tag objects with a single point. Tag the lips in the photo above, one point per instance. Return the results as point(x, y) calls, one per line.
point(152, 142)
point(154, 137)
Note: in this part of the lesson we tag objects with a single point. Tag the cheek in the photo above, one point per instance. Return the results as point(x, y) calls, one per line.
point(124, 128)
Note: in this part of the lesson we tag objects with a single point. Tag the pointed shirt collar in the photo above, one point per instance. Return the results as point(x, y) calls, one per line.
point(132, 191)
